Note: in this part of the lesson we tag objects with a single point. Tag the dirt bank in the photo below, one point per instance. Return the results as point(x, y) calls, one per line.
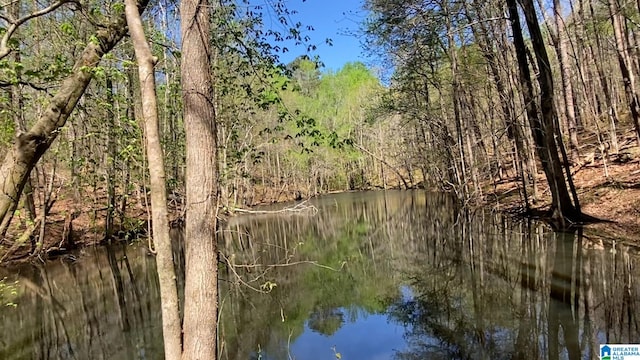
point(608, 186)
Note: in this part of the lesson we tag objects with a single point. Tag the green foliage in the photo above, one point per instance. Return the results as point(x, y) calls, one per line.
point(330, 109)
point(118, 7)
point(7, 126)
point(67, 28)
point(280, 126)
point(305, 74)
point(8, 293)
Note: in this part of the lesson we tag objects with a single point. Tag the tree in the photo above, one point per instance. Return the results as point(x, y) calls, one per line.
point(201, 258)
point(164, 260)
point(546, 135)
point(490, 42)
point(29, 147)
point(14, 21)
point(625, 64)
point(561, 39)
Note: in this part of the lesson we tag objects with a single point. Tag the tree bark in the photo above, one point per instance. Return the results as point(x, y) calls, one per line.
point(29, 147)
point(201, 267)
point(171, 327)
point(490, 48)
point(111, 161)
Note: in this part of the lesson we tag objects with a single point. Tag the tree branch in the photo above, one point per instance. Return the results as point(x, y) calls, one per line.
point(8, 84)
point(5, 49)
point(298, 208)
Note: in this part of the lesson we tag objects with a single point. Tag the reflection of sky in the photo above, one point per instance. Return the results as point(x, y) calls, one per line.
point(370, 336)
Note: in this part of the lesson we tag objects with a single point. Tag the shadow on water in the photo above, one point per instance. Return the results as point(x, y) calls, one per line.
point(375, 275)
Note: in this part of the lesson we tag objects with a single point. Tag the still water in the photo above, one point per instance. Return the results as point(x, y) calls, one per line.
point(375, 275)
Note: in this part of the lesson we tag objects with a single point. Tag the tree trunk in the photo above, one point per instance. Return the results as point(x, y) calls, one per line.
point(29, 147)
point(466, 161)
point(562, 208)
point(565, 72)
point(201, 293)
point(171, 329)
point(624, 61)
point(544, 130)
point(111, 161)
point(490, 48)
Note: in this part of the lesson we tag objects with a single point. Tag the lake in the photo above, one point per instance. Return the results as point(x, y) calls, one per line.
point(369, 275)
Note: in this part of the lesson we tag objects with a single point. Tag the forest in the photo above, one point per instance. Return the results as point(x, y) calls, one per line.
point(122, 120)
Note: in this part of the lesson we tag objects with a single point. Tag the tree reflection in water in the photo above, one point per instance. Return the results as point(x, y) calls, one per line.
point(404, 274)
point(102, 306)
point(530, 295)
point(326, 321)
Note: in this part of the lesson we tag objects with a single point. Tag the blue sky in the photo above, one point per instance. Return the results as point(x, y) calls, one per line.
point(332, 19)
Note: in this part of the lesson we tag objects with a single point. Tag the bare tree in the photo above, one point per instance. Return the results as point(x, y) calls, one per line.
point(625, 63)
point(560, 39)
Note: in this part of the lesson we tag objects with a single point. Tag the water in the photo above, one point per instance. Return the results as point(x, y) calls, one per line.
point(376, 275)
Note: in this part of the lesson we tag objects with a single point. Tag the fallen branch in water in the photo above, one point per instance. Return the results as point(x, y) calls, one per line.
point(267, 286)
point(315, 263)
point(298, 208)
point(231, 266)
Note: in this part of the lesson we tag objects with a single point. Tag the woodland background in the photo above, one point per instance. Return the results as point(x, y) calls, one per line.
point(443, 105)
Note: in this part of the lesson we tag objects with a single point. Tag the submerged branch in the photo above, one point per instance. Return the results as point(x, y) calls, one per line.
point(314, 263)
point(298, 208)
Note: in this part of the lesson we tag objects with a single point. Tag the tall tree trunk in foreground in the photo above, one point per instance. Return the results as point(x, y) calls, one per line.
point(543, 128)
point(29, 147)
point(171, 329)
point(201, 260)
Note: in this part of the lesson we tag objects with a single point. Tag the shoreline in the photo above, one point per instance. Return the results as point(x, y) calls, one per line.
point(614, 200)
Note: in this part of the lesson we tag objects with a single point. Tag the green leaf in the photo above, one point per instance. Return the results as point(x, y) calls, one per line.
point(94, 40)
point(67, 28)
point(118, 7)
